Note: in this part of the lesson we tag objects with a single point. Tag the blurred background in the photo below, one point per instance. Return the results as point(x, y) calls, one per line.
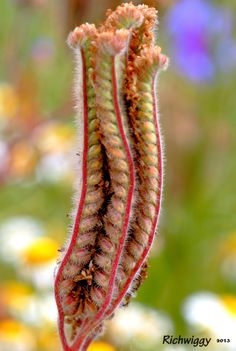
point(191, 287)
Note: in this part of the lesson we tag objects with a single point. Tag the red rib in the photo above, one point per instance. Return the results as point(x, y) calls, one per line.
point(79, 344)
point(79, 211)
point(157, 210)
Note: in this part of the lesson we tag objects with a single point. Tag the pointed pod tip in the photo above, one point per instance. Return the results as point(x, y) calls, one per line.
point(151, 57)
point(80, 35)
point(113, 43)
point(126, 15)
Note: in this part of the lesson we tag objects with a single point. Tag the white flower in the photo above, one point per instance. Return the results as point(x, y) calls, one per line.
point(16, 233)
point(4, 156)
point(175, 348)
point(42, 276)
point(55, 167)
point(208, 313)
point(139, 326)
point(41, 310)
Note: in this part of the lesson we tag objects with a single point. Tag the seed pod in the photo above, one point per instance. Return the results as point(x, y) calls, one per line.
point(120, 185)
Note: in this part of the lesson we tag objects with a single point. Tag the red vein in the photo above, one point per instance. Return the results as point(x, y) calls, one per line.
point(157, 210)
point(97, 318)
point(80, 207)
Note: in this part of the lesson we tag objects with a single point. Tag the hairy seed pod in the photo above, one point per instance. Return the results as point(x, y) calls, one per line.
point(120, 179)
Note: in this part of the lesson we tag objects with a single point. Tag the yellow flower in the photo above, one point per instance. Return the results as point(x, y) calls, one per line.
point(228, 245)
point(101, 346)
point(15, 296)
point(23, 159)
point(8, 101)
point(10, 328)
point(55, 137)
point(226, 254)
point(47, 338)
point(229, 301)
point(15, 336)
point(41, 250)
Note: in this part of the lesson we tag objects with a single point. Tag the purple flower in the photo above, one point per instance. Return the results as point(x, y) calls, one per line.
point(201, 39)
point(42, 50)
